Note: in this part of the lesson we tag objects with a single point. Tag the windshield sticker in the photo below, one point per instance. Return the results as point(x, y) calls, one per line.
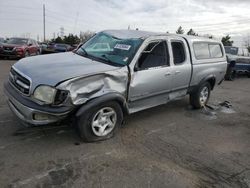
point(122, 46)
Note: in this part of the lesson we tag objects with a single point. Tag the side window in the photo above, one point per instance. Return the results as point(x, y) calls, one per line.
point(201, 51)
point(154, 55)
point(178, 52)
point(215, 50)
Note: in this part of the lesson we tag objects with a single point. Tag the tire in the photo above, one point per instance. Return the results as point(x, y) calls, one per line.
point(92, 125)
point(231, 76)
point(200, 97)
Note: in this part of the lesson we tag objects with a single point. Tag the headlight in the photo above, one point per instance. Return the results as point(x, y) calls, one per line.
point(45, 94)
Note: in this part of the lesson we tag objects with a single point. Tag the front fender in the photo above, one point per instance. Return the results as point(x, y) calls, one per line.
point(86, 88)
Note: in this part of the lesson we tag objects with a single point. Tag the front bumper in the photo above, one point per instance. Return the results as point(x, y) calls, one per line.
point(28, 111)
point(12, 54)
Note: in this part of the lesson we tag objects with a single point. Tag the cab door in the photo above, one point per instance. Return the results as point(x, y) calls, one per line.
point(150, 77)
point(181, 67)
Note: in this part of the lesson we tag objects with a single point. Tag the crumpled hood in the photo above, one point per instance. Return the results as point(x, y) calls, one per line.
point(54, 68)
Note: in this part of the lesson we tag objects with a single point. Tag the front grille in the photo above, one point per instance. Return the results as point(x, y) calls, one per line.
point(19, 81)
point(8, 48)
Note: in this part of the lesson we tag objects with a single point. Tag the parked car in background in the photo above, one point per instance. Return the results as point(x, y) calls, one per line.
point(131, 71)
point(62, 47)
point(57, 47)
point(19, 48)
point(238, 60)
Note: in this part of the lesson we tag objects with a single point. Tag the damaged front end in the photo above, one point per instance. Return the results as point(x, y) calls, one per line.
point(83, 89)
point(79, 91)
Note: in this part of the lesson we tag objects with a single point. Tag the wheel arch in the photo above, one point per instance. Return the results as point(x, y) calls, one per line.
point(102, 99)
point(26, 50)
point(211, 79)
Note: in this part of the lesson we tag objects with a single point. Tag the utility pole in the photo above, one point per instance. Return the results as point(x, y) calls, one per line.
point(44, 22)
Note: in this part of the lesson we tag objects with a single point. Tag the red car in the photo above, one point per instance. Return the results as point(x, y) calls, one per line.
point(19, 48)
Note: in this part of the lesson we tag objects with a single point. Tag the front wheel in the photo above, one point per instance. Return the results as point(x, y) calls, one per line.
point(100, 122)
point(200, 97)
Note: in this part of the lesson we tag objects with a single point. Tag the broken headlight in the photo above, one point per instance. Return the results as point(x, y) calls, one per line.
point(50, 95)
point(61, 96)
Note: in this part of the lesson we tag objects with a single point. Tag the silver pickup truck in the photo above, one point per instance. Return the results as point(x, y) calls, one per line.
point(114, 73)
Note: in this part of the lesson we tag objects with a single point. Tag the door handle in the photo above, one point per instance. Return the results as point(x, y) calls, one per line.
point(167, 74)
point(177, 72)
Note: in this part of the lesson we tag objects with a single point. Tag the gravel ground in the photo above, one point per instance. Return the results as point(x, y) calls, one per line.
point(167, 146)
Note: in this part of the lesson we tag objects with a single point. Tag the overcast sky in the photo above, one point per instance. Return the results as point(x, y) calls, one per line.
point(216, 17)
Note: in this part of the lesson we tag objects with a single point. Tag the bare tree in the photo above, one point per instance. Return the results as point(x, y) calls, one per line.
point(84, 36)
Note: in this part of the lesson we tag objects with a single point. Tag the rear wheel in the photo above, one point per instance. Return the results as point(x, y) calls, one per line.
point(200, 97)
point(100, 122)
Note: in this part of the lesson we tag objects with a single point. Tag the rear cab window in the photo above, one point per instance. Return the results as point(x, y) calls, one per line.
point(215, 50)
point(207, 50)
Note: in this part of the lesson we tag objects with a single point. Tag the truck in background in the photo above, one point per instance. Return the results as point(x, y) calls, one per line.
point(238, 60)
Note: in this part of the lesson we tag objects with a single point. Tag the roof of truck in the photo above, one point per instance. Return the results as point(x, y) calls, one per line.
point(125, 34)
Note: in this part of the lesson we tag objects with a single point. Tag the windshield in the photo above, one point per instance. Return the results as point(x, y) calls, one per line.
point(17, 41)
point(110, 49)
point(231, 50)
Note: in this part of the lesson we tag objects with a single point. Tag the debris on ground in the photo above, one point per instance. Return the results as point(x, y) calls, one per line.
point(210, 111)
